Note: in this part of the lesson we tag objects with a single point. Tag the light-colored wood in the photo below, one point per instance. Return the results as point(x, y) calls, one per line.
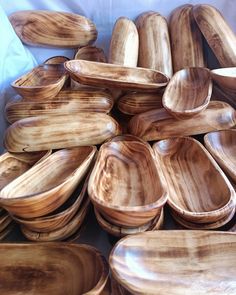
point(134, 103)
point(176, 262)
point(41, 83)
point(225, 77)
point(154, 43)
point(52, 268)
point(159, 124)
point(222, 146)
point(55, 60)
point(82, 129)
point(188, 92)
point(53, 29)
point(125, 185)
point(217, 33)
point(186, 39)
point(198, 190)
point(115, 76)
point(46, 186)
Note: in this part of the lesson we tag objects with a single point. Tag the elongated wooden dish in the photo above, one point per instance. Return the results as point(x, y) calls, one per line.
point(182, 161)
point(116, 76)
point(188, 92)
point(225, 77)
point(53, 29)
point(55, 60)
point(159, 124)
point(154, 43)
point(156, 254)
point(41, 83)
point(82, 129)
point(222, 146)
point(125, 185)
point(47, 185)
point(186, 39)
point(38, 269)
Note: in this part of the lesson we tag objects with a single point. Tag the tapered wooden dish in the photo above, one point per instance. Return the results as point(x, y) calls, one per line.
point(188, 92)
point(115, 76)
point(222, 146)
point(52, 268)
point(55, 60)
point(182, 161)
point(125, 185)
point(156, 255)
point(159, 124)
point(225, 77)
point(47, 185)
point(42, 83)
point(81, 129)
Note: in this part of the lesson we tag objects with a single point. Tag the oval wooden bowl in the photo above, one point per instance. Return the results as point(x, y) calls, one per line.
point(47, 185)
point(225, 77)
point(188, 92)
point(125, 185)
point(127, 137)
point(81, 129)
point(91, 53)
point(156, 254)
point(182, 161)
point(222, 146)
point(41, 83)
point(38, 269)
point(55, 60)
point(115, 76)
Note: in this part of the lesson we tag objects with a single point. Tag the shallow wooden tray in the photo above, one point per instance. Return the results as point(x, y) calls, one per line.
point(225, 77)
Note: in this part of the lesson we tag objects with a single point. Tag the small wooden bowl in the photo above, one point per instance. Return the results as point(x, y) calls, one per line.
point(37, 269)
point(225, 77)
point(91, 53)
point(188, 92)
point(55, 60)
point(46, 186)
point(41, 83)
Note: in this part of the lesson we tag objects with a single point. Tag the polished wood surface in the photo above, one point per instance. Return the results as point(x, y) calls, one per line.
point(91, 53)
point(55, 60)
point(225, 77)
point(186, 39)
point(217, 33)
point(188, 92)
point(115, 76)
point(159, 124)
point(51, 268)
point(222, 146)
point(176, 262)
point(154, 43)
point(53, 29)
point(82, 129)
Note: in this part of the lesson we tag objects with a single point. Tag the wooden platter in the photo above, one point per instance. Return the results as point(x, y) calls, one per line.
point(225, 77)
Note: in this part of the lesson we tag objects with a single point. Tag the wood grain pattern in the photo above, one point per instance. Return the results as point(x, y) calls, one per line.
point(91, 53)
point(159, 124)
point(144, 263)
point(186, 39)
point(225, 77)
point(82, 129)
point(154, 43)
point(55, 60)
point(222, 94)
point(7, 231)
point(188, 92)
point(38, 269)
point(53, 29)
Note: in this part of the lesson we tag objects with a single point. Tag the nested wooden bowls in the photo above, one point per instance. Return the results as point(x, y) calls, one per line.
point(52, 268)
point(225, 77)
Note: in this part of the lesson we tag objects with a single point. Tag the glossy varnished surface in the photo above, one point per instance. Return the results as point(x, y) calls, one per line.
point(225, 77)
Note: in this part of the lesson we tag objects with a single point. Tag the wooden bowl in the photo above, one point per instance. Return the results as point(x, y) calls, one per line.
point(41, 83)
point(144, 263)
point(55, 60)
point(188, 92)
point(222, 146)
point(225, 77)
point(91, 53)
point(125, 185)
point(46, 186)
point(159, 124)
point(115, 76)
point(182, 161)
point(52, 268)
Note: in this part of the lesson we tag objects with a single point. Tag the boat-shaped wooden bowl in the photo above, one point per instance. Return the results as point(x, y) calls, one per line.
point(52, 268)
point(56, 60)
point(188, 92)
point(182, 161)
point(222, 146)
point(115, 76)
point(144, 263)
point(41, 83)
point(225, 77)
point(125, 185)
point(46, 186)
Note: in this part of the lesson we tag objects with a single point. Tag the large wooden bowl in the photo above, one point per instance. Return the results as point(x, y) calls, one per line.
point(188, 92)
point(125, 185)
point(51, 268)
point(176, 262)
point(183, 161)
point(47, 185)
point(225, 77)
